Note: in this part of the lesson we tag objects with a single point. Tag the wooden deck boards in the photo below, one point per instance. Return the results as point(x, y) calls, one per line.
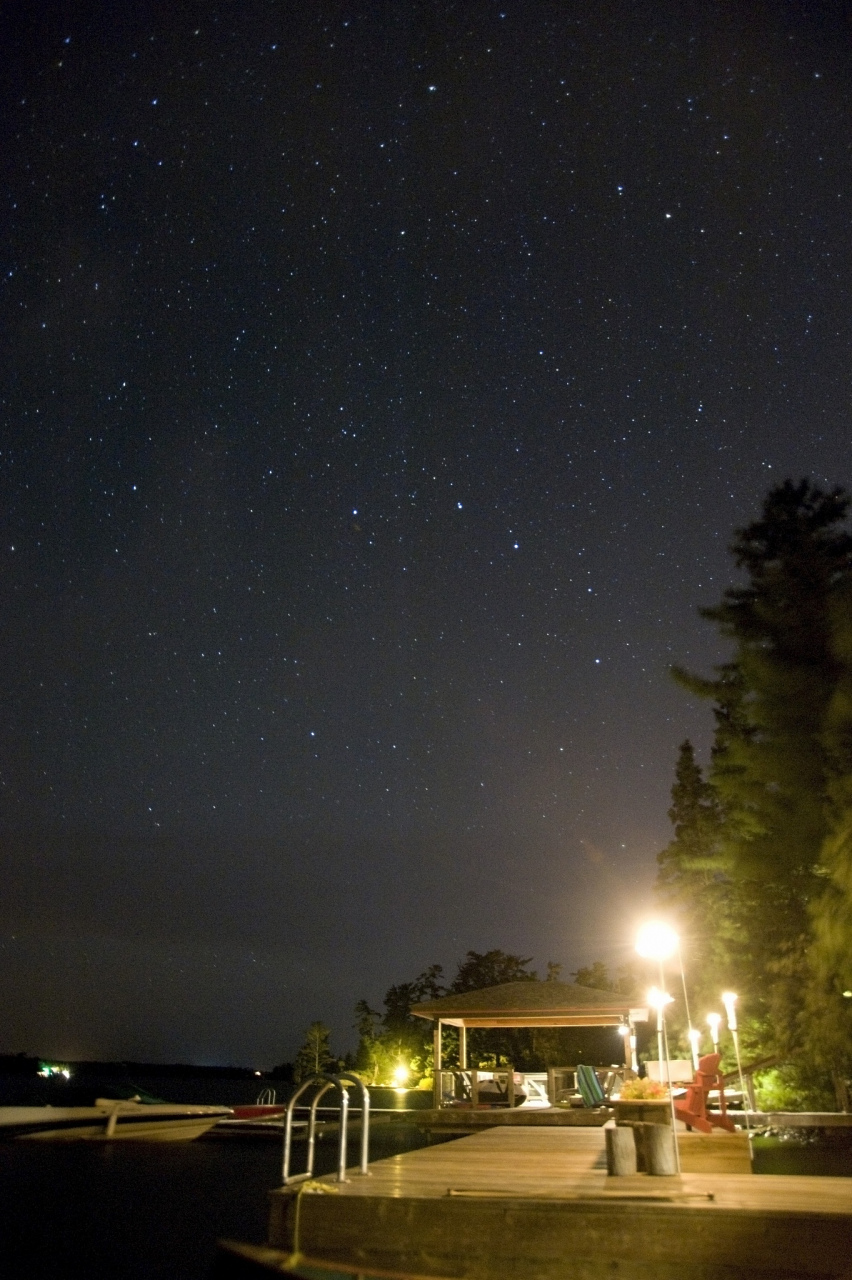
point(536, 1204)
point(517, 1158)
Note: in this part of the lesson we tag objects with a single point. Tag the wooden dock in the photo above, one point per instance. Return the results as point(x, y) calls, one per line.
point(535, 1203)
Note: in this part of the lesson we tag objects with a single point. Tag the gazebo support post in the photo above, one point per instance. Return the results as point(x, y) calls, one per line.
point(630, 1049)
point(436, 1053)
point(463, 1047)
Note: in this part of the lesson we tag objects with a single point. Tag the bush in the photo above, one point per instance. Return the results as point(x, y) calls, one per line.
point(793, 1088)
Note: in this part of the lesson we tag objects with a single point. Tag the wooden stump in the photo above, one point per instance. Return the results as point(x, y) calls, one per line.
point(620, 1150)
point(660, 1150)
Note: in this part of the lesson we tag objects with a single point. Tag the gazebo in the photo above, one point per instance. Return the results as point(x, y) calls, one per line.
point(530, 1004)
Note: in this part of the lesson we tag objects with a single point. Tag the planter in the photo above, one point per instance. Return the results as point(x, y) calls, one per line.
point(642, 1111)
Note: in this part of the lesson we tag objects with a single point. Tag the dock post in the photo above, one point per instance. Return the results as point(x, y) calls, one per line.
point(661, 1156)
point(620, 1149)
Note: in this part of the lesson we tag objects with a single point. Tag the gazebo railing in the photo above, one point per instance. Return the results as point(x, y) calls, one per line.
point(473, 1087)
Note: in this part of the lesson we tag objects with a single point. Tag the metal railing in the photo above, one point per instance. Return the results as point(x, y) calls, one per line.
point(325, 1081)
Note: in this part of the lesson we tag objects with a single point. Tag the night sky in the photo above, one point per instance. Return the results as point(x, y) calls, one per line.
point(381, 386)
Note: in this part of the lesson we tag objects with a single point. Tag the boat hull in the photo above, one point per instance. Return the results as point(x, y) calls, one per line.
point(117, 1122)
point(259, 1110)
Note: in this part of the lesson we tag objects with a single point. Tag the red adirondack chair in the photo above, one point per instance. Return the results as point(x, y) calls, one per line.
point(692, 1110)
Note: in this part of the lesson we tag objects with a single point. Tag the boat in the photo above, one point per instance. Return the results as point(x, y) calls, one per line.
point(110, 1120)
point(259, 1111)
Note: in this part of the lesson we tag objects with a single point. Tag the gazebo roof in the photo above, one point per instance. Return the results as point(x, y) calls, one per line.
point(532, 1004)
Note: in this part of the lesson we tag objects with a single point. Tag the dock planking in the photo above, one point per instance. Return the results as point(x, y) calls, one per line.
point(536, 1204)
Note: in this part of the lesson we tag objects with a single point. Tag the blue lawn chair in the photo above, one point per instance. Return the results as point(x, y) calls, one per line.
point(590, 1087)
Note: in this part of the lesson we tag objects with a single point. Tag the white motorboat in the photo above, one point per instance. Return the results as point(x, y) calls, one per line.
point(109, 1120)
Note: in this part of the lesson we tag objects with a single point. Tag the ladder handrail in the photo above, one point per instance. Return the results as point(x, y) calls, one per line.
point(327, 1081)
point(365, 1119)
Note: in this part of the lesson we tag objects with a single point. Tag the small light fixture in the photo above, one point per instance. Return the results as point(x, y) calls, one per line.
point(729, 1000)
point(713, 1021)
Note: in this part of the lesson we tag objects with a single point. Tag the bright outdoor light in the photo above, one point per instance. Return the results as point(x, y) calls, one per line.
point(656, 941)
point(623, 1030)
point(400, 1075)
point(658, 999)
point(729, 1000)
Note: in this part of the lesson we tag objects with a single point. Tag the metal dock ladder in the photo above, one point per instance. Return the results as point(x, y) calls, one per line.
point(341, 1083)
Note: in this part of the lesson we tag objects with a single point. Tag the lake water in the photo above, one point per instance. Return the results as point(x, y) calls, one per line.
point(135, 1211)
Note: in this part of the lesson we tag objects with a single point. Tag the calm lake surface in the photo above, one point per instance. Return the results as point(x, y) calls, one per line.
point(135, 1211)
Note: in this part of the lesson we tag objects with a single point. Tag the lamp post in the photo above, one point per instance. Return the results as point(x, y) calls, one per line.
point(713, 1020)
point(729, 1000)
point(692, 1035)
point(658, 941)
point(658, 999)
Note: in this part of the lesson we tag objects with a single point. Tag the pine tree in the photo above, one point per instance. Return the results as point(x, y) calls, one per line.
point(597, 976)
point(690, 862)
point(491, 969)
point(691, 885)
point(770, 766)
point(315, 1054)
point(827, 1012)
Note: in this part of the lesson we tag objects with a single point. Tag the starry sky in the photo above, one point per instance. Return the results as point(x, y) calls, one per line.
point(381, 386)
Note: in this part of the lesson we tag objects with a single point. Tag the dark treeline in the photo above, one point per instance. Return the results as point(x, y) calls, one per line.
point(758, 876)
point(394, 1035)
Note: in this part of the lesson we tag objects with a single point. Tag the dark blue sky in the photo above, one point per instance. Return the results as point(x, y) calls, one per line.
point(381, 386)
